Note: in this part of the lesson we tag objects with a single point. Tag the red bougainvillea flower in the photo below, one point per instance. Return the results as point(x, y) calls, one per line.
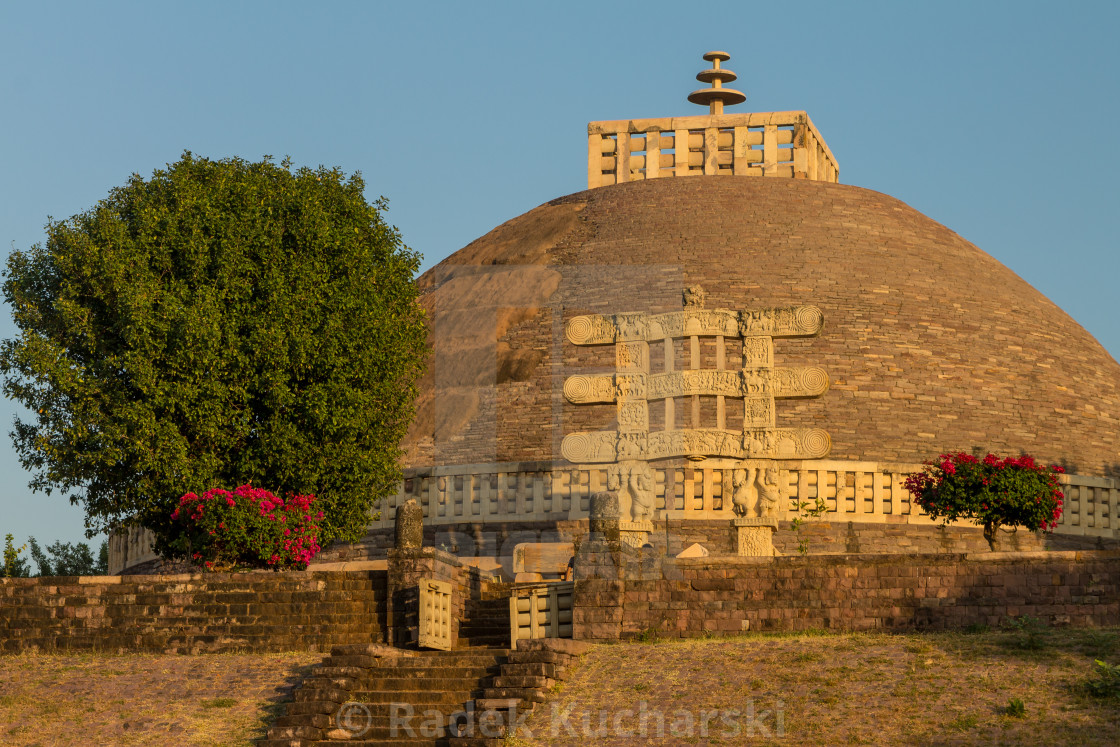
point(249, 527)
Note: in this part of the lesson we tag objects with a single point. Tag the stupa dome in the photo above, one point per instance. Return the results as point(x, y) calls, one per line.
point(717, 336)
point(929, 343)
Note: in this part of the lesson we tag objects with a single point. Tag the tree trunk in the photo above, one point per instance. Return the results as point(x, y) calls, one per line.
point(991, 533)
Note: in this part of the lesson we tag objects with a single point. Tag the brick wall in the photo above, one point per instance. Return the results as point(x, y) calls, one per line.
point(260, 611)
point(684, 598)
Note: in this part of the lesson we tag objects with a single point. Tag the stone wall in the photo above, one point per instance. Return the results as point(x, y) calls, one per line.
point(496, 540)
point(729, 595)
point(407, 569)
point(217, 612)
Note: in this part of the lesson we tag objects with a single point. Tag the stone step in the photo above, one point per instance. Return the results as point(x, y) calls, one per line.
point(378, 742)
point(496, 704)
point(299, 731)
point(420, 733)
point(481, 642)
point(384, 711)
point(443, 658)
point(318, 720)
point(525, 681)
point(451, 694)
point(429, 673)
point(529, 694)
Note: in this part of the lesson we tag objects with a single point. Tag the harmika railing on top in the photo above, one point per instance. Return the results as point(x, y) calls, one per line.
point(853, 491)
point(761, 144)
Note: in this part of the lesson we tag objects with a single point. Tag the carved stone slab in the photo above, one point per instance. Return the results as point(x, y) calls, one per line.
point(807, 381)
point(755, 443)
point(757, 384)
point(600, 329)
point(758, 352)
point(753, 540)
point(605, 387)
point(632, 357)
point(633, 415)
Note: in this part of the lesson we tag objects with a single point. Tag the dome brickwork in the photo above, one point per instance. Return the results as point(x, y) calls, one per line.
point(929, 343)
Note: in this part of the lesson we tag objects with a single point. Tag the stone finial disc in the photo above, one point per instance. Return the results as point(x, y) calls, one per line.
point(728, 96)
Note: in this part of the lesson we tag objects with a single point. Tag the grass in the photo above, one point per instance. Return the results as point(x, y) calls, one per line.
point(143, 699)
point(1022, 683)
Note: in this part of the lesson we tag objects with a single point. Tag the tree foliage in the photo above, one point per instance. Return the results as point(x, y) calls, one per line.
point(993, 492)
point(14, 566)
point(220, 323)
point(66, 559)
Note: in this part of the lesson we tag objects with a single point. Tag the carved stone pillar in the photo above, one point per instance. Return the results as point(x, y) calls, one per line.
point(410, 525)
point(755, 536)
point(603, 520)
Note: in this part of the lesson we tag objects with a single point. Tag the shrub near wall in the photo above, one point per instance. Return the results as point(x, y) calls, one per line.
point(216, 612)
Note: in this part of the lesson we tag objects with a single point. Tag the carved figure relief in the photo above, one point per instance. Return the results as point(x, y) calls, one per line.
point(769, 492)
point(641, 492)
point(741, 499)
point(633, 415)
point(633, 481)
point(758, 412)
point(631, 445)
point(630, 386)
point(756, 382)
point(694, 297)
point(758, 352)
point(756, 490)
point(632, 326)
point(632, 357)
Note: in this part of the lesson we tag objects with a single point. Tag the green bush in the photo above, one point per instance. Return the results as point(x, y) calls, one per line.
point(248, 527)
point(993, 492)
point(1106, 683)
point(14, 565)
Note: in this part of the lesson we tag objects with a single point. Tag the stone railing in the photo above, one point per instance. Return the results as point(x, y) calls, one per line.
point(1091, 507)
point(869, 492)
point(761, 144)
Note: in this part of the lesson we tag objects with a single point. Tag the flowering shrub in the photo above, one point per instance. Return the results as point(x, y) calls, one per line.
point(248, 527)
point(991, 491)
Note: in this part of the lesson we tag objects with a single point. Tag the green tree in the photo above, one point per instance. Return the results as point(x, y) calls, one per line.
point(221, 322)
point(14, 565)
point(66, 559)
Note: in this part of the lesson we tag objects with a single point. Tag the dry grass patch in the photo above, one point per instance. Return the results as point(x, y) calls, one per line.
point(1013, 686)
point(143, 699)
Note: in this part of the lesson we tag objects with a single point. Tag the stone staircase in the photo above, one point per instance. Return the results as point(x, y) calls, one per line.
point(362, 696)
point(486, 622)
point(527, 678)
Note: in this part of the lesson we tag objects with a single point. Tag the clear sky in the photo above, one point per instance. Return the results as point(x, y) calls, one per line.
point(994, 118)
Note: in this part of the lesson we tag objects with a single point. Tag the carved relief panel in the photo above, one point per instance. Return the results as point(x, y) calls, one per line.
point(757, 384)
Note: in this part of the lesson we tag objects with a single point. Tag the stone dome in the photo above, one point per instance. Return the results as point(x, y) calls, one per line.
point(929, 343)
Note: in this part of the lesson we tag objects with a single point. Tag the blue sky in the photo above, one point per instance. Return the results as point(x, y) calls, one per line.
point(993, 118)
